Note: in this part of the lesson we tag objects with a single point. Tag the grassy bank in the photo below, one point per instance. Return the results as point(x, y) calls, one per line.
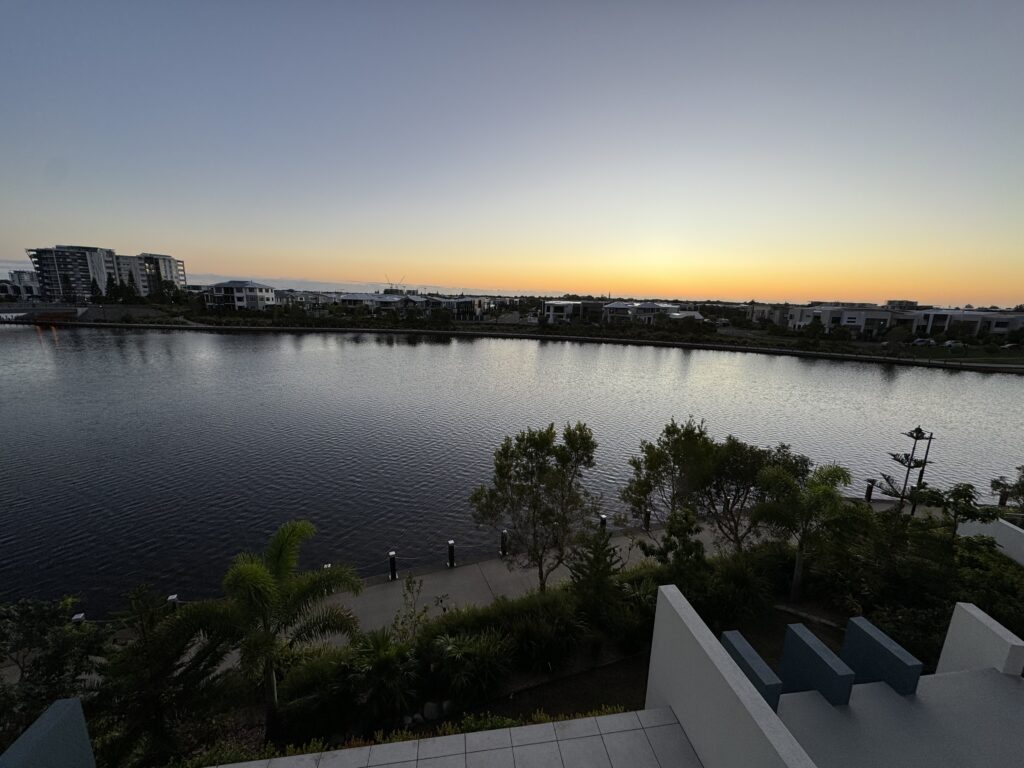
point(920, 357)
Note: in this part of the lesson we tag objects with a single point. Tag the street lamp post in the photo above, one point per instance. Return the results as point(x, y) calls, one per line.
point(911, 462)
point(919, 435)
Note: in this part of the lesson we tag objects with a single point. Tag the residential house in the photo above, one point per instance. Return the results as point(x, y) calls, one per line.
point(240, 294)
point(647, 311)
point(570, 310)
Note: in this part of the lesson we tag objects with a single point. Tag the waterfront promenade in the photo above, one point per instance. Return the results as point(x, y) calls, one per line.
point(472, 584)
point(481, 582)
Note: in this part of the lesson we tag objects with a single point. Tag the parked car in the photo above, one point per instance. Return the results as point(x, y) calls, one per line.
point(953, 344)
point(1010, 346)
point(923, 342)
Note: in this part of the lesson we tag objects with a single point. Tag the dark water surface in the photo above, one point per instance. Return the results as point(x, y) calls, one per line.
point(147, 456)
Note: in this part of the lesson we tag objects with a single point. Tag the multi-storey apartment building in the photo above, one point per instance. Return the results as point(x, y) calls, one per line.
point(67, 272)
point(26, 280)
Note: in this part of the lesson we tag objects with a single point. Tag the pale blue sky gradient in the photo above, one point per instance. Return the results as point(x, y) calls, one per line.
point(549, 146)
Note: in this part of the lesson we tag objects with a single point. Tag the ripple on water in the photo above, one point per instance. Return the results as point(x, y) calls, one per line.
point(140, 456)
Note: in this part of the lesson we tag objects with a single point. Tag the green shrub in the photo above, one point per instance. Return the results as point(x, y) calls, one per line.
point(483, 721)
point(386, 674)
point(320, 696)
point(544, 628)
point(469, 667)
point(736, 592)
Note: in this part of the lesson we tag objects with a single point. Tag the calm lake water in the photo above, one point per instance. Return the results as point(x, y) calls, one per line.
point(147, 456)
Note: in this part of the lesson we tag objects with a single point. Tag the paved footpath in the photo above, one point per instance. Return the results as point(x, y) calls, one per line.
point(471, 584)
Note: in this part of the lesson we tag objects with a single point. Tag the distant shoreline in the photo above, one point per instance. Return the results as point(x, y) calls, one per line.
point(949, 365)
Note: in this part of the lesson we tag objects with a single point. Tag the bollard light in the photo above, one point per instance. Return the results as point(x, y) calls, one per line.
point(870, 489)
point(604, 523)
point(504, 542)
point(172, 601)
point(393, 568)
point(451, 553)
point(78, 618)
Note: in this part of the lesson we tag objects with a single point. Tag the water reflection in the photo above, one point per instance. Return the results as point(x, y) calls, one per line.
point(191, 446)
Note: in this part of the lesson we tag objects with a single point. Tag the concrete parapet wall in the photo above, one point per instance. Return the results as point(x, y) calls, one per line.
point(874, 656)
point(1008, 536)
point(975, 640)
point(754, 667)
point(808, 665)
point(58, 739)
point(727, 721)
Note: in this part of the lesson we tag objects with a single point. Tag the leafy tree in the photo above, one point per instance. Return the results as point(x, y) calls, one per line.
point(679, 548)
point(686, 469)
point(663, 474)
point(51, 657)
point(131, 291)
point(593, 565)
point(537, 492)
point(272, 610)
point(958, 504)
point(729, 486)
point(1014, 489)
point(111, 289)
point(814, 329)
point(801, 509)
point(95, 294)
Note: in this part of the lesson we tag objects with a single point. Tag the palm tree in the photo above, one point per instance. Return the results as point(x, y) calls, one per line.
point(273, 610)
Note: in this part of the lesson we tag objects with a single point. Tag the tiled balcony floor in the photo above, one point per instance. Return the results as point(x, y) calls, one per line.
point(651, 738)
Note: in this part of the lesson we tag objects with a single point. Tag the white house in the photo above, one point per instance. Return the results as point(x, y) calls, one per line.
point(240, 294)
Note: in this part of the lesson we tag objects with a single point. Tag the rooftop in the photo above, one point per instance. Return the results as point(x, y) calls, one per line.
point(240, 284)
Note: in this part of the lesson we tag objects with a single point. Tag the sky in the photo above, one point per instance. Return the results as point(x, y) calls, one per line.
point(736, 150)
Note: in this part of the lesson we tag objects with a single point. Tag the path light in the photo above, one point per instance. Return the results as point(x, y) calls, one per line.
point(451, 553)
point(504, 542)
point(604, 523)
point(393, 568)
point(870, 489)
point(172, 601)
point(78, 618)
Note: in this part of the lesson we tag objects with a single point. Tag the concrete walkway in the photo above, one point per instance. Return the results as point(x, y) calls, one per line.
point(474, 584)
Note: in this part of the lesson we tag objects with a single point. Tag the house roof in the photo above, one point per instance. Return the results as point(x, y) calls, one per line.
point(241, 284)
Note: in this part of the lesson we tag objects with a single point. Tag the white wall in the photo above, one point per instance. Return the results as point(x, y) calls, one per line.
point(727, 721)
point(1008, 536)
point(975, 640)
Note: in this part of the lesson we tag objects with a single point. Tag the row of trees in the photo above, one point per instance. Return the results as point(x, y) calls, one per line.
point(160, 684)
point(127, 292)
point(684, 479)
